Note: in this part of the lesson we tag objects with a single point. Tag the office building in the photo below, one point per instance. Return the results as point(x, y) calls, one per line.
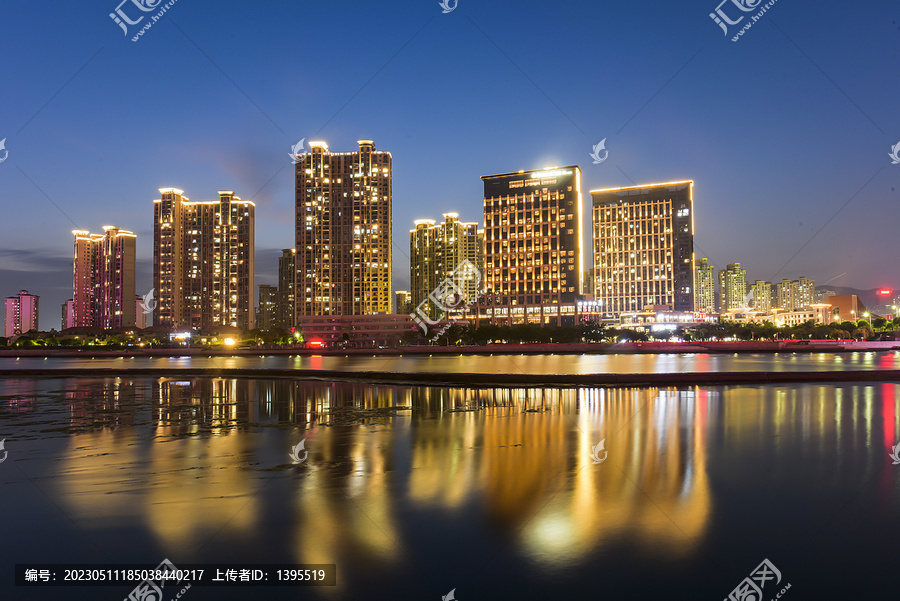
point(644, 247)
point(343, 231)
point(438, 252)
point(705, 287)
point(21, 313)
point(733, 288)
point(533, 241)
point(104, 270)
point(203, 261)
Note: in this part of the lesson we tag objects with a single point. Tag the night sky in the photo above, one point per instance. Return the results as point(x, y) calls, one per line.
point(785, 132)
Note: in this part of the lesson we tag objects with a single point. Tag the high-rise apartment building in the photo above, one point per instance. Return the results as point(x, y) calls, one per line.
point(284, 299)
point(68, 314)
point(21, 313)
point(644, 247)
point(403, 302)
point(761, 296)
point(795, 295)
point(705, 287)
point(437, 251)
point(732, 288)
point(104, 271)
point(343, 231)
point(533, 238)
point(203, 260)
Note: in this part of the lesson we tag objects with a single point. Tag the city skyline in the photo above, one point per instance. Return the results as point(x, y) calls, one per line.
point(785, 134)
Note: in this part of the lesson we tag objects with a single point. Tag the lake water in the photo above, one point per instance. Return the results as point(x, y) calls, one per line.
point(414, 491)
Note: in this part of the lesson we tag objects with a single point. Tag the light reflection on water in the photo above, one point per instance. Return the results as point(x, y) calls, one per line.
point(438, 482)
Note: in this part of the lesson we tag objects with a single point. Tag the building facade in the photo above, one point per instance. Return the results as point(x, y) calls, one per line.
point(203, 260)
point(795, 295)
point(533, 254)
point(705, 287)
point(104, 278)
point(732, 288)
point(644, 247)
point(343, 231)
point(22, 313)
point(436, 251)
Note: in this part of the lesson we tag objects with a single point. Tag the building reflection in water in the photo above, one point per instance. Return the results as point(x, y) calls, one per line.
point(214, 453)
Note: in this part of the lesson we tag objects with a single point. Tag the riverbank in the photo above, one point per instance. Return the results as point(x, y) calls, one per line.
point(796, 346)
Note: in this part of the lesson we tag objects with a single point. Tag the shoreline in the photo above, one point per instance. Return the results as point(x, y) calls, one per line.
point(477, 380)
point(793, 346)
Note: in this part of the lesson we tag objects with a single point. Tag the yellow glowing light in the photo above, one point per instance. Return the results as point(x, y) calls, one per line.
point(229, 341)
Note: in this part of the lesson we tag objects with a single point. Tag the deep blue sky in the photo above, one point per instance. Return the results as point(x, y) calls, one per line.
point(779, 130)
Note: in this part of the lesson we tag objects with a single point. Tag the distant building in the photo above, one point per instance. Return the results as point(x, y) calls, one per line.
point(22, 312)
point(705, 287)
point(644, 247)
point(266, 310)
point(104, 268)
point(284, 298)
point(533, 244)
point(402, 302)
point(761, 296)
point(140, 317)
point(437, 251)
point(343, 231)
point(203, 260)
point(68, 314)
point(795, 295)
point(732, 288)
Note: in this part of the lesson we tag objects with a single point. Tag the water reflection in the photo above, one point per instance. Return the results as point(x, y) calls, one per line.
point(201, 466)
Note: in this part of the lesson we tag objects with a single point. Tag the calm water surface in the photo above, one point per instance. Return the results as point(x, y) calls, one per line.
point(413, 491)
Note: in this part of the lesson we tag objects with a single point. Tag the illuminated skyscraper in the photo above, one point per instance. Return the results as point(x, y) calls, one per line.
point(436, 251)
point(203, 260)
point(732, 288)
point(104, 271)
point(705, 287)
point(796, 295)
point(266, 311)
point(644, 247)
point(533, 240)
point(21, 313)
point(343, 231)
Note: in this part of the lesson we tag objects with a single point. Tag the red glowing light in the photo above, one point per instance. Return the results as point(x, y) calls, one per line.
point(316, 344)
point(884, 292)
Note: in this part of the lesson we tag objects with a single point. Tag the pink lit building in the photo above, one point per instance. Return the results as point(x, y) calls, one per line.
point(104, 288)
point(21, 313)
